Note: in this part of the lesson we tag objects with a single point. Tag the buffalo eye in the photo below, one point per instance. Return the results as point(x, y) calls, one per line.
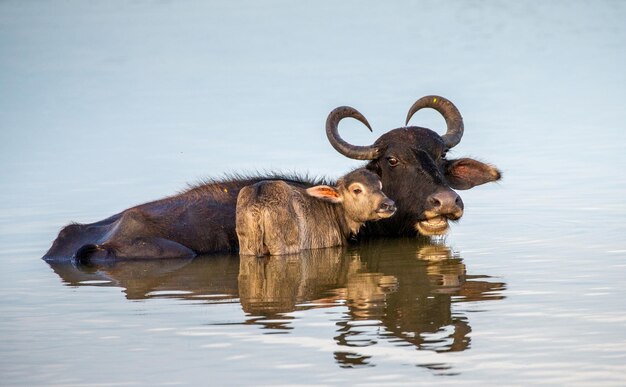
point(392, 161)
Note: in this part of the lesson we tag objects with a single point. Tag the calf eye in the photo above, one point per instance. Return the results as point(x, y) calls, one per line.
point(357, 191)
point(392, 161)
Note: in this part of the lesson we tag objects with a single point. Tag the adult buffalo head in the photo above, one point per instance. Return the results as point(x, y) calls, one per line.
point(411, 162)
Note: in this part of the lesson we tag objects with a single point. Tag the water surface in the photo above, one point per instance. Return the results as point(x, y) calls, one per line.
point(104, 106)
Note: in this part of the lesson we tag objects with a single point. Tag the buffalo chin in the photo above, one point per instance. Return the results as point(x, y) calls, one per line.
point(433, 226)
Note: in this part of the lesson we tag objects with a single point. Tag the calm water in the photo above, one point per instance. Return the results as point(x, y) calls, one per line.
point(107, 105)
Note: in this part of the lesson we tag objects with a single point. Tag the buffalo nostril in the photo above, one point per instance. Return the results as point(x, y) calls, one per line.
point(435, 202)
point(445, 202)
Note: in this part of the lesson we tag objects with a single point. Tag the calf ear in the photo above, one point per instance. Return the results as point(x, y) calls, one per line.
point(466, 173)
point(325, 192)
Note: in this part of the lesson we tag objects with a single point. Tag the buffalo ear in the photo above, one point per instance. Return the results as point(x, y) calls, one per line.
point(466, 173)
point(325, 192)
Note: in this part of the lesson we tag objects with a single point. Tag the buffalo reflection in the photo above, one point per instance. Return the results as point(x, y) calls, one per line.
point(270, 287)
point(399, 291)
point(430, 278)
point(214, 279)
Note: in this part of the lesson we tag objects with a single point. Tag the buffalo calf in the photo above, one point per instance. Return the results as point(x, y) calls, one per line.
point(276, 218)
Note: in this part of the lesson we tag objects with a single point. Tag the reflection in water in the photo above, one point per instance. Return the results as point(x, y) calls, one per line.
point(213, 279)
point(397, 291)
point(269, 287)
point(430, 278)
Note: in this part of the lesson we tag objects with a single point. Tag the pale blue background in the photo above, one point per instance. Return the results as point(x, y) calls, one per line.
point(104, 105)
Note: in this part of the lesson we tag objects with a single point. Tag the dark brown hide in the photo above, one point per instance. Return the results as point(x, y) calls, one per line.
point(413, 168)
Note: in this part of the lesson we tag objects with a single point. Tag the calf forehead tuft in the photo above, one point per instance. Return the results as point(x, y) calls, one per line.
point(362, 176)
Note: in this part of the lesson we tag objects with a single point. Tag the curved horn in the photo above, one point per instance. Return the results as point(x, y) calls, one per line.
point(450, 113)
point(346, 149)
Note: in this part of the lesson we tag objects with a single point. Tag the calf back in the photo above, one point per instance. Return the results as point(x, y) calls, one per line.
point(276, 218)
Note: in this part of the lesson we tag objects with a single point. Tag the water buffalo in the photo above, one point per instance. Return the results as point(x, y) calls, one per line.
point(410, 161)
point(276, 218)
point(412, 165)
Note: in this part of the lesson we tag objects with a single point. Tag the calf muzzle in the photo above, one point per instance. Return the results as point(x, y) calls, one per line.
point(386, 209)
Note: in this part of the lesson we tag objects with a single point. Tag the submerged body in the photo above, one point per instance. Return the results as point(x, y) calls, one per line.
point(276, 218)
point(200, 220)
